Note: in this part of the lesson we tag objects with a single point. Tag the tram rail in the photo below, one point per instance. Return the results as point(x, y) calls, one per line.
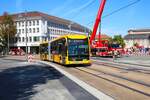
point(105, 76)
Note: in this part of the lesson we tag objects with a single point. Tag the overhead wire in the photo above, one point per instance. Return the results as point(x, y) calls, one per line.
point(83, 8)
point(117, 10)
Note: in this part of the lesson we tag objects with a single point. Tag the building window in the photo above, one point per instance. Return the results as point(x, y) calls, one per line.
point(22, 30)
point(22, 23)
point(37, 22)
point(19, 39)
point(36, 38)
point(22, 39)
point(30, 39)
point(27, 30)
point(33, 23)
point(19, 30)
point(37, 29)
point(30, 31)
point(33, 30)
point(29, 23)
point(27, 39)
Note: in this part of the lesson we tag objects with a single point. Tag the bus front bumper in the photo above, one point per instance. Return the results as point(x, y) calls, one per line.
point(78, 62)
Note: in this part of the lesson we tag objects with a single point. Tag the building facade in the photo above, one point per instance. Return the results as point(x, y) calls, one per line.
point(38, 27)
point(102, 37)
point(138, 36)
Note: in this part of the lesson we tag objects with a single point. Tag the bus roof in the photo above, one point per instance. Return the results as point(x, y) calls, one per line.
point(72, 36)
point(76, 36)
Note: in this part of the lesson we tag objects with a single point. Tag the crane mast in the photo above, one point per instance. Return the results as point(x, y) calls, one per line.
point(97, 21)
point(102, 47)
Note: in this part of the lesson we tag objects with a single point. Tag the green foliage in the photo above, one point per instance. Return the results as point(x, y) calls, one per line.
point(119, 40)
point(110, 40)
point(7, 29)
point(90, 33)
point(136, 44)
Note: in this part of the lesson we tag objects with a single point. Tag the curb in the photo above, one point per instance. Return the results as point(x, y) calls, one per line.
point(95, 92)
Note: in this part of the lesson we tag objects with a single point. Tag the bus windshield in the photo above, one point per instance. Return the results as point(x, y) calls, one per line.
point(78, 47)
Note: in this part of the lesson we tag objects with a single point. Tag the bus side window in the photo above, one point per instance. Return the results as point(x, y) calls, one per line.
point(60, 47)
point(45, 48)
point(52, 48)
point(56, 46)
point(64, 47)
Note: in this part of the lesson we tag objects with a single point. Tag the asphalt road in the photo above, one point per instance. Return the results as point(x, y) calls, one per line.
point(20, 80)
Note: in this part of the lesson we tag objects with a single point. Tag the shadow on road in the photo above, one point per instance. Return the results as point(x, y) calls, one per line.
point(18, 83)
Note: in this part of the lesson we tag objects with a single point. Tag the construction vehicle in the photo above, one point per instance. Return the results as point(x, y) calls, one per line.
point(102, 47)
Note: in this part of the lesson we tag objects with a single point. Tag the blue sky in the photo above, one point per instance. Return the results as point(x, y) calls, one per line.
point(85, 11)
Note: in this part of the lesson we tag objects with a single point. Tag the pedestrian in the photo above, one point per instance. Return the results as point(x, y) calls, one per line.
point(113, 55)
point(30, 57)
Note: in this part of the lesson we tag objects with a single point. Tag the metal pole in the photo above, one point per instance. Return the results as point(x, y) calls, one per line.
point(70, 26)
point(26, 35)
point(49, 47)
point(8, 43)
point(99, 31)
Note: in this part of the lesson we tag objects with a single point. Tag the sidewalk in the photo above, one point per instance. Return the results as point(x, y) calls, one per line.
point(135, 63)
point(21, 58)
point(140, 61)
point(132, 60)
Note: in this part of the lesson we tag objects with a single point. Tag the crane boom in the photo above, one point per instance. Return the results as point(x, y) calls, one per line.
point(97, 21)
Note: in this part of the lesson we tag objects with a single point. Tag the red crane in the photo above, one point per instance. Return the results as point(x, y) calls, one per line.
point(97, 21)
point(102, 47)
point(98, 46)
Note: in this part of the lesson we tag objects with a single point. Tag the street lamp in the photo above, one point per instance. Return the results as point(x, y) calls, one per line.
point(69, 26)
point(26, 35)
point(8, 43)
point(49, 45)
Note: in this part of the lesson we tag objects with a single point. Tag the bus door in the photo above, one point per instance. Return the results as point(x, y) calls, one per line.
point(62, 51)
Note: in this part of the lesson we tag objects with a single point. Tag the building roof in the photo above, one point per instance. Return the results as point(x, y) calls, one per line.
point(137, 36)
point(103, 36)
point(49, 17)
point(139, 30)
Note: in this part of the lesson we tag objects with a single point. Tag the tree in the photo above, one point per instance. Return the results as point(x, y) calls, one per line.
point(89, 34)
point(119, 40)
point(7, 29)
point(136, 44)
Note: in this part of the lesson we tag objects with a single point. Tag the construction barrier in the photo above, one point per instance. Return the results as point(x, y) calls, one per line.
point(30, 58)
point(138, 54)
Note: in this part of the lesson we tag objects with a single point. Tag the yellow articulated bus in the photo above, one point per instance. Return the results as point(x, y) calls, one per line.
point(67, 49)
point(44, 51)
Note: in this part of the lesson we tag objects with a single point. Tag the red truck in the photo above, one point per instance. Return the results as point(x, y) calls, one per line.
point(16, 51)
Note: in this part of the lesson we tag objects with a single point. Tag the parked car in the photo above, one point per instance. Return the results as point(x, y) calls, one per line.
point(16, 51)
